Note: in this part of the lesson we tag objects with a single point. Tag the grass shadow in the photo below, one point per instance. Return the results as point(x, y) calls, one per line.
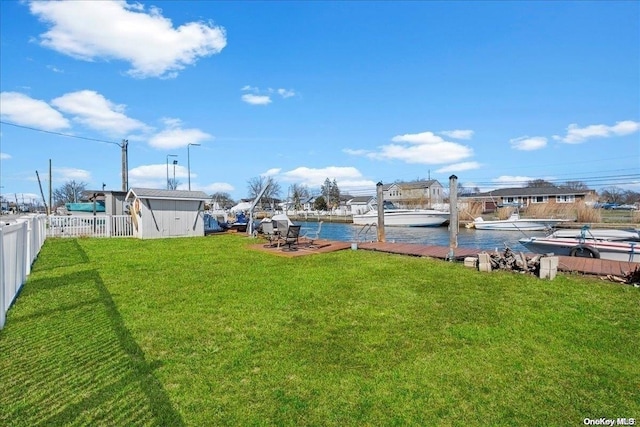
point(67, 253)
point(71, 359)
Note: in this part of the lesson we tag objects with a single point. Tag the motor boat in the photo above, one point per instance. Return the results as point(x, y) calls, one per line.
point(617, 245)
point(516, 223)
point(403, 217)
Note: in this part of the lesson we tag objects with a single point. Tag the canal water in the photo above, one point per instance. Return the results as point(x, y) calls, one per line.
point(434, 236)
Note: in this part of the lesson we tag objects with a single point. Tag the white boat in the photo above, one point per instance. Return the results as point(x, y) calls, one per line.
point(617, 245)
point(395, 217)
point(514, 222)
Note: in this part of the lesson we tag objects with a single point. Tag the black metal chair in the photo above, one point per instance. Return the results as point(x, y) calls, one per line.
point(291, 238)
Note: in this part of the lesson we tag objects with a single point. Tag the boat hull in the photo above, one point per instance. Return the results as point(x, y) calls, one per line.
point(519, 225)
point(615, 251)
point(515, 223)
point(417, 218)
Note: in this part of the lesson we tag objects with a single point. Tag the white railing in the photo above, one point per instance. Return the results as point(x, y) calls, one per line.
point(90, 226)
point(20, 243)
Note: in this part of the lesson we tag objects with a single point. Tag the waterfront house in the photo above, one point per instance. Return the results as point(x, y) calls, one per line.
point(522, 197)
point(415, 194)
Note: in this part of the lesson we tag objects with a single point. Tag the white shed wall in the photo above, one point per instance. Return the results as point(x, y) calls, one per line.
point(171, 218)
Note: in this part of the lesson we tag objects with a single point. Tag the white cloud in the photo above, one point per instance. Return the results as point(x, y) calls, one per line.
point(286, 93)
point(525, 143)
point(55, 69)
point(216, 187)
point(421, 148)
point(155, 176)
point(95, 111)
point(68, 174)
point(174, 136)
point(458, 134)
point(263, 97)
point(459, 167)
point(5, 156)
point(346, 177)
point(418, 138)
point(119, 30)
point(252, 99)
point(25, 111)
point(577, 135)
point(355, 152)
point(271, 172)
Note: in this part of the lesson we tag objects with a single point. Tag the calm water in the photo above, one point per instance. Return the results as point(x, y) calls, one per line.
point(436, 236)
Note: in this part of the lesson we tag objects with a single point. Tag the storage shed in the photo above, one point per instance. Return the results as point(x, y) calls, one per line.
point(166, 213)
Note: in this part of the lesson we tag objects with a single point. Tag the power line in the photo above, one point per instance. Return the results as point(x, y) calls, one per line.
point(60, 133)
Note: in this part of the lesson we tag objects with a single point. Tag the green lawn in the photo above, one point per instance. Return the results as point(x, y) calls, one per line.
point(204, 331)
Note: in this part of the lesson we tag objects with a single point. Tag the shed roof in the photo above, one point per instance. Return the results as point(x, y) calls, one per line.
point(153, 193)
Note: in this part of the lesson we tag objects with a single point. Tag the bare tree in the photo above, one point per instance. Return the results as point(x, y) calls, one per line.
point(612, 194)
point(173, 184)
point(256, 185)
point(539, 183)
point(222, 199)
point(69, 192)
point(298, 193)
point(575, 185)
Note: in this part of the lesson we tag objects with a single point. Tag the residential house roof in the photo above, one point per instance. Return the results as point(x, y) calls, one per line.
point(530, 191)
point(361, 199)
point(411, 185)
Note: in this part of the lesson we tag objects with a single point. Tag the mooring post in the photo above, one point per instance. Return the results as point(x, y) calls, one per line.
point(380, 200)
point(453, 216)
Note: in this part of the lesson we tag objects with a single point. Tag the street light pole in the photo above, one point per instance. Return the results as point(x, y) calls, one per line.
point(175, 162)
point(169, 155)
point(189, 163)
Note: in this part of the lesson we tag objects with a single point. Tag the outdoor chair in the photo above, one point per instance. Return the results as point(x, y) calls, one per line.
point(291, 238)
point(270, 233)
point(312, 236)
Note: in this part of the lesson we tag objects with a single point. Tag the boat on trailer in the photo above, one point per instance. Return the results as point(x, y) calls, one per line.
point(611, 244)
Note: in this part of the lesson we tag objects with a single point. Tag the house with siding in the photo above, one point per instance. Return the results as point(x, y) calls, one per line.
point(415, 194)
point(525, 196)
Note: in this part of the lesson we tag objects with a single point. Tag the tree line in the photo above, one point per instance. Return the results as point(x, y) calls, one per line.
point(330, 193)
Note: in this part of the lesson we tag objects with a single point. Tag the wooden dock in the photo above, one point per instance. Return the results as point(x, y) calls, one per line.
point(600, 267)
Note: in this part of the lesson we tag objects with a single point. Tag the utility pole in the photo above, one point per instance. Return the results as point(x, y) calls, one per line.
point(380, 200)
point(453, 217)
point(125, 164)
point(50, 190)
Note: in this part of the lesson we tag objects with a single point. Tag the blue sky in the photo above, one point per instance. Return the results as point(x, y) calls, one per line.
point(497, 93)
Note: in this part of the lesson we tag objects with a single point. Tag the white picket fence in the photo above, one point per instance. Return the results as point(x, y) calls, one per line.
point(20, 243)
point(90, 226)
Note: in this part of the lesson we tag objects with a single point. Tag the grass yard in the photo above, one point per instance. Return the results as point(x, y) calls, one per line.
point(204, 331)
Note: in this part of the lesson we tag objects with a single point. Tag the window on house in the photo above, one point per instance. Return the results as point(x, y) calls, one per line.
point(540, 199)
point(566, 199)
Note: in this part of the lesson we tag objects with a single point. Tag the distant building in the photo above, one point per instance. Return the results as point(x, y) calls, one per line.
point(415, 194)
point(360, 204)
point(524, 196)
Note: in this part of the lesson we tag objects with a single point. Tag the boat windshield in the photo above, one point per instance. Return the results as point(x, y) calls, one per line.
point(386, 205)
